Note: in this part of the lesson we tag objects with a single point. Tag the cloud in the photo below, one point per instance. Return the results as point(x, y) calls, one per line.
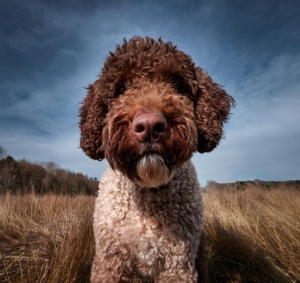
point(263, 134)
point(51, 50)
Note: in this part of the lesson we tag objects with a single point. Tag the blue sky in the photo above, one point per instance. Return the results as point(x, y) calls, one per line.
point(51, 50)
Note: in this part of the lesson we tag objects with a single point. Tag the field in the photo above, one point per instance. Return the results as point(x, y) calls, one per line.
point(253, 235)
point(45, 238)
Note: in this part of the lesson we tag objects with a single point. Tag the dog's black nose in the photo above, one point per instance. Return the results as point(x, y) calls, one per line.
point(149, 126)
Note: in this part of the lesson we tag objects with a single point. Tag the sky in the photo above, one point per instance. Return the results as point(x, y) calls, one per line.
point(51, 50)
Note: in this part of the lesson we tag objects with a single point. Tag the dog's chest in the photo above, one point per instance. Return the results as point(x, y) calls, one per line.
point(153, 224)
point(149, 226)
point(151, 242)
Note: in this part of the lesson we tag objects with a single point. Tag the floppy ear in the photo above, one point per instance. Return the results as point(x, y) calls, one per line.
point(211, 111)
point(92, 114)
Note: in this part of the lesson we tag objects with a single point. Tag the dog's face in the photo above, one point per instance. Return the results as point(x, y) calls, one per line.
point(150, 110)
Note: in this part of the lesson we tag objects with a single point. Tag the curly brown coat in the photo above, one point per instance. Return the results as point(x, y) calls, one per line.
point(147, 113)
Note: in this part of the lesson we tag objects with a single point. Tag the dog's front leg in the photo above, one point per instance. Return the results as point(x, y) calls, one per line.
point(202, 260)
point(178, 272)
point(177, 276)
point(109, 269)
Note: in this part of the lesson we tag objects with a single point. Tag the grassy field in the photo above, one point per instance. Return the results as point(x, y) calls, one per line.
point(253, 235)
point(45, 238)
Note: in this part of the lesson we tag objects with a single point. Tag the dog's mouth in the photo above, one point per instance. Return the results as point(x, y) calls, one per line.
point(141, 151)
point(147, 170)
point(148, 164)
point(152, 171)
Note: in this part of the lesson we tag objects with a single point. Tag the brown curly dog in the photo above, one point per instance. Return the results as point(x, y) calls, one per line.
point(147, 113)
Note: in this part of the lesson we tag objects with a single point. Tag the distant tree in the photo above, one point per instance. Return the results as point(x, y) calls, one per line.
point(211, 184)
point(3, 152)
point(8, 173)
point(23, 176)
point(51, 166)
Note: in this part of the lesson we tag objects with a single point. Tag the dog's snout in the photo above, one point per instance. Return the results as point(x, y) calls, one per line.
point(149, 127)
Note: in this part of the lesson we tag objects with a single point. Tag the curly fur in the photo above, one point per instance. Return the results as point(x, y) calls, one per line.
point(148, 214)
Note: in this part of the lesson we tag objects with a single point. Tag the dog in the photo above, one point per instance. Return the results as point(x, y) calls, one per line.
point(148, 112)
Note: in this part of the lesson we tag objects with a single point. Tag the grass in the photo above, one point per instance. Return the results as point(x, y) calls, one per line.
point(253, 235)
point(45, 238)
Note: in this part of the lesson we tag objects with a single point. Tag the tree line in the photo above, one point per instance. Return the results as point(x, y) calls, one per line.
point(23, 176)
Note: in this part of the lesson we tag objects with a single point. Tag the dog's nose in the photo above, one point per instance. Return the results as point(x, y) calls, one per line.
point(149, 126)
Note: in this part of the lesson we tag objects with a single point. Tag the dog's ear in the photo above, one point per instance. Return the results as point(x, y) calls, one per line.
point(211, 111)
point(92, 114)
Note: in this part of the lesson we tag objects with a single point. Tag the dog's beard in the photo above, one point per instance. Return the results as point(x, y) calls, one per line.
point(152, 171)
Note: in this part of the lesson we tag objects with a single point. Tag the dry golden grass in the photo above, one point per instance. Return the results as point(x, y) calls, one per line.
point(45, 238)
point(253, 235)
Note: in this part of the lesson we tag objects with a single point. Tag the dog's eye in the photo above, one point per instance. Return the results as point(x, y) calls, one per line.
point(177, 83)
point(120, 90)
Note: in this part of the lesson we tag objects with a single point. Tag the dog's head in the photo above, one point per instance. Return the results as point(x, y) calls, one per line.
point(150, 110)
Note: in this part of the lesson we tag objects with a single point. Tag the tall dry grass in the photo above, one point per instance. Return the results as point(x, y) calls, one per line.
point(45, 238)
point(253, 235)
